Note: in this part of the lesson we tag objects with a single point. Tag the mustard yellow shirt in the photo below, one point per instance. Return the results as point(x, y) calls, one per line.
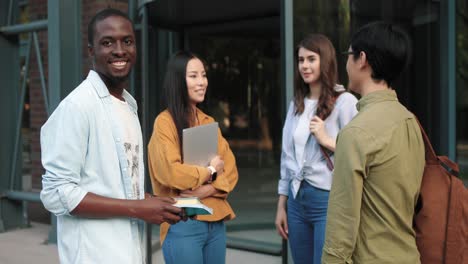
point(169, 175)
point(379, 163)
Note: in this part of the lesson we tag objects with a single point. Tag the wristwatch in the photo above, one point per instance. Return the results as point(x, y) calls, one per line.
point(213, 175)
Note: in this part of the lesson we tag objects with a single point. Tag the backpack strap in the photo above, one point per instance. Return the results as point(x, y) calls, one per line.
point(431, 156)
point(449, 165)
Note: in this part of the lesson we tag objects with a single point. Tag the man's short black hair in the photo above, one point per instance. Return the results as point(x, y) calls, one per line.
point(387, 48)
point(101, 15)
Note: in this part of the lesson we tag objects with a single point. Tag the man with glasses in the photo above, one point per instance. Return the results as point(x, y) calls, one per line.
point(379, 159)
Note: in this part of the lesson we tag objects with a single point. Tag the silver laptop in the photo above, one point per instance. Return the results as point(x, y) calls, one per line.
point(200, 144)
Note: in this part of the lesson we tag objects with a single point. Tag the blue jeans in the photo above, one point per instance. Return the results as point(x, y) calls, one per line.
point(307, 215)
point(195, 242)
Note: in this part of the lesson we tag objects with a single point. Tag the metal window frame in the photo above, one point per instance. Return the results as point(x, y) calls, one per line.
point(63, 36)
point(448, 80)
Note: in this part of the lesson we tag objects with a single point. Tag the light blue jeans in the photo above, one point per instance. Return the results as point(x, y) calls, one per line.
point(307, 215)
point(195, 242)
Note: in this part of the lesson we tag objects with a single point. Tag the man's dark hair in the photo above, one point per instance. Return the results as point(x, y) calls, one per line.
point(101, 15)
point(387, 48)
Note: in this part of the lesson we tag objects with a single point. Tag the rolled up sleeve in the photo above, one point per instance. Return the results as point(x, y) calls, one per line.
point(64, 139)
point(287, 160)
point(283, 184)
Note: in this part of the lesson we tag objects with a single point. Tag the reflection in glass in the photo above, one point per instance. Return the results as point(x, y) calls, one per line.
point(244, 97)
point(243, 92)
point(462, 86)
point(419, 86)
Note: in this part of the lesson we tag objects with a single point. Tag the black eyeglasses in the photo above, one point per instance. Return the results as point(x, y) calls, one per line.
point(346, 53)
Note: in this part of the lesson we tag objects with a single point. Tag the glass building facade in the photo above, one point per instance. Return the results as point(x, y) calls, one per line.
point(245, 48)
point(248, 49)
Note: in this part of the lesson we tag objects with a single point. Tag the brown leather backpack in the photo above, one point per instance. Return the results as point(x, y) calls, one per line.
point(441, 215)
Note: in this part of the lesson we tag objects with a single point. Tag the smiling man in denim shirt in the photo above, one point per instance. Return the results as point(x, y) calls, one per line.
point(92, 152)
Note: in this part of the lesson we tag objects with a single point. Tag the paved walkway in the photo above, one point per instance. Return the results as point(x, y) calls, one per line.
point(28, 246)
point(253, 200)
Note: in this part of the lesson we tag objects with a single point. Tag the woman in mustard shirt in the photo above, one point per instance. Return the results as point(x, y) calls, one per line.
point(200, 240)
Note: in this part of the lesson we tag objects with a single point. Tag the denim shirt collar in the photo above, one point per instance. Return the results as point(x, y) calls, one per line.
point(102, 90)
point(376, 97)
point(103, 93)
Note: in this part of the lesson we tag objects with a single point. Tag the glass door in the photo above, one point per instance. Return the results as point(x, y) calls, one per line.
point(243, 67)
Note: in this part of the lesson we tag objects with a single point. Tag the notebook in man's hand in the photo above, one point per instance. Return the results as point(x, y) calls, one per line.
point(193, 206)
point(200, 144)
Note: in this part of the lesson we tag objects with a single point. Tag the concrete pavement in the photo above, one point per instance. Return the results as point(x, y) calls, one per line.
point(28, 245)
point(254, 201)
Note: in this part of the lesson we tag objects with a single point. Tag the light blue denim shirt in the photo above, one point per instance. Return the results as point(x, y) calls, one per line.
point(82, 151)
point(313, 168)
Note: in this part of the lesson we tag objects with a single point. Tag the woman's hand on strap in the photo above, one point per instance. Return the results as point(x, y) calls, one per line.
point(317, 128)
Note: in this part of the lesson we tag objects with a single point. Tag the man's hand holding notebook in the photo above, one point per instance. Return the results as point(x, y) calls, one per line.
point(193, 206)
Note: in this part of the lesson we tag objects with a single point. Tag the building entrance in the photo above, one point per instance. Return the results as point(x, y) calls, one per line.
point(240, 44)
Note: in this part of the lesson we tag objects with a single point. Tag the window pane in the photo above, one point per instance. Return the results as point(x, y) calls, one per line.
point(243, 96)
point(462, 86)
point(419, 86)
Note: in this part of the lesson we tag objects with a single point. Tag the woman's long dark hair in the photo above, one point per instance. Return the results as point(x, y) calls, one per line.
point(176, 94)
point(321, 45)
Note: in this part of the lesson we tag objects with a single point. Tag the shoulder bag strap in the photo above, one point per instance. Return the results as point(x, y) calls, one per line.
point(327, 158)
point(324, 151)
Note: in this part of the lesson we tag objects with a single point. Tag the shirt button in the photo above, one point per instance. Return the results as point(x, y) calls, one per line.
point(118, 139)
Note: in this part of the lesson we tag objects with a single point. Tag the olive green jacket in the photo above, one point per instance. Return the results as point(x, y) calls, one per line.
point(379, 163)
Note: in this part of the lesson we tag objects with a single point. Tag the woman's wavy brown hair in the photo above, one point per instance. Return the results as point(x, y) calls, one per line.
point(321, 45)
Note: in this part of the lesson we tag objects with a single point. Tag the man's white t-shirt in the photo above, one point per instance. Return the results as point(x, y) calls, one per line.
point(130, 141)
